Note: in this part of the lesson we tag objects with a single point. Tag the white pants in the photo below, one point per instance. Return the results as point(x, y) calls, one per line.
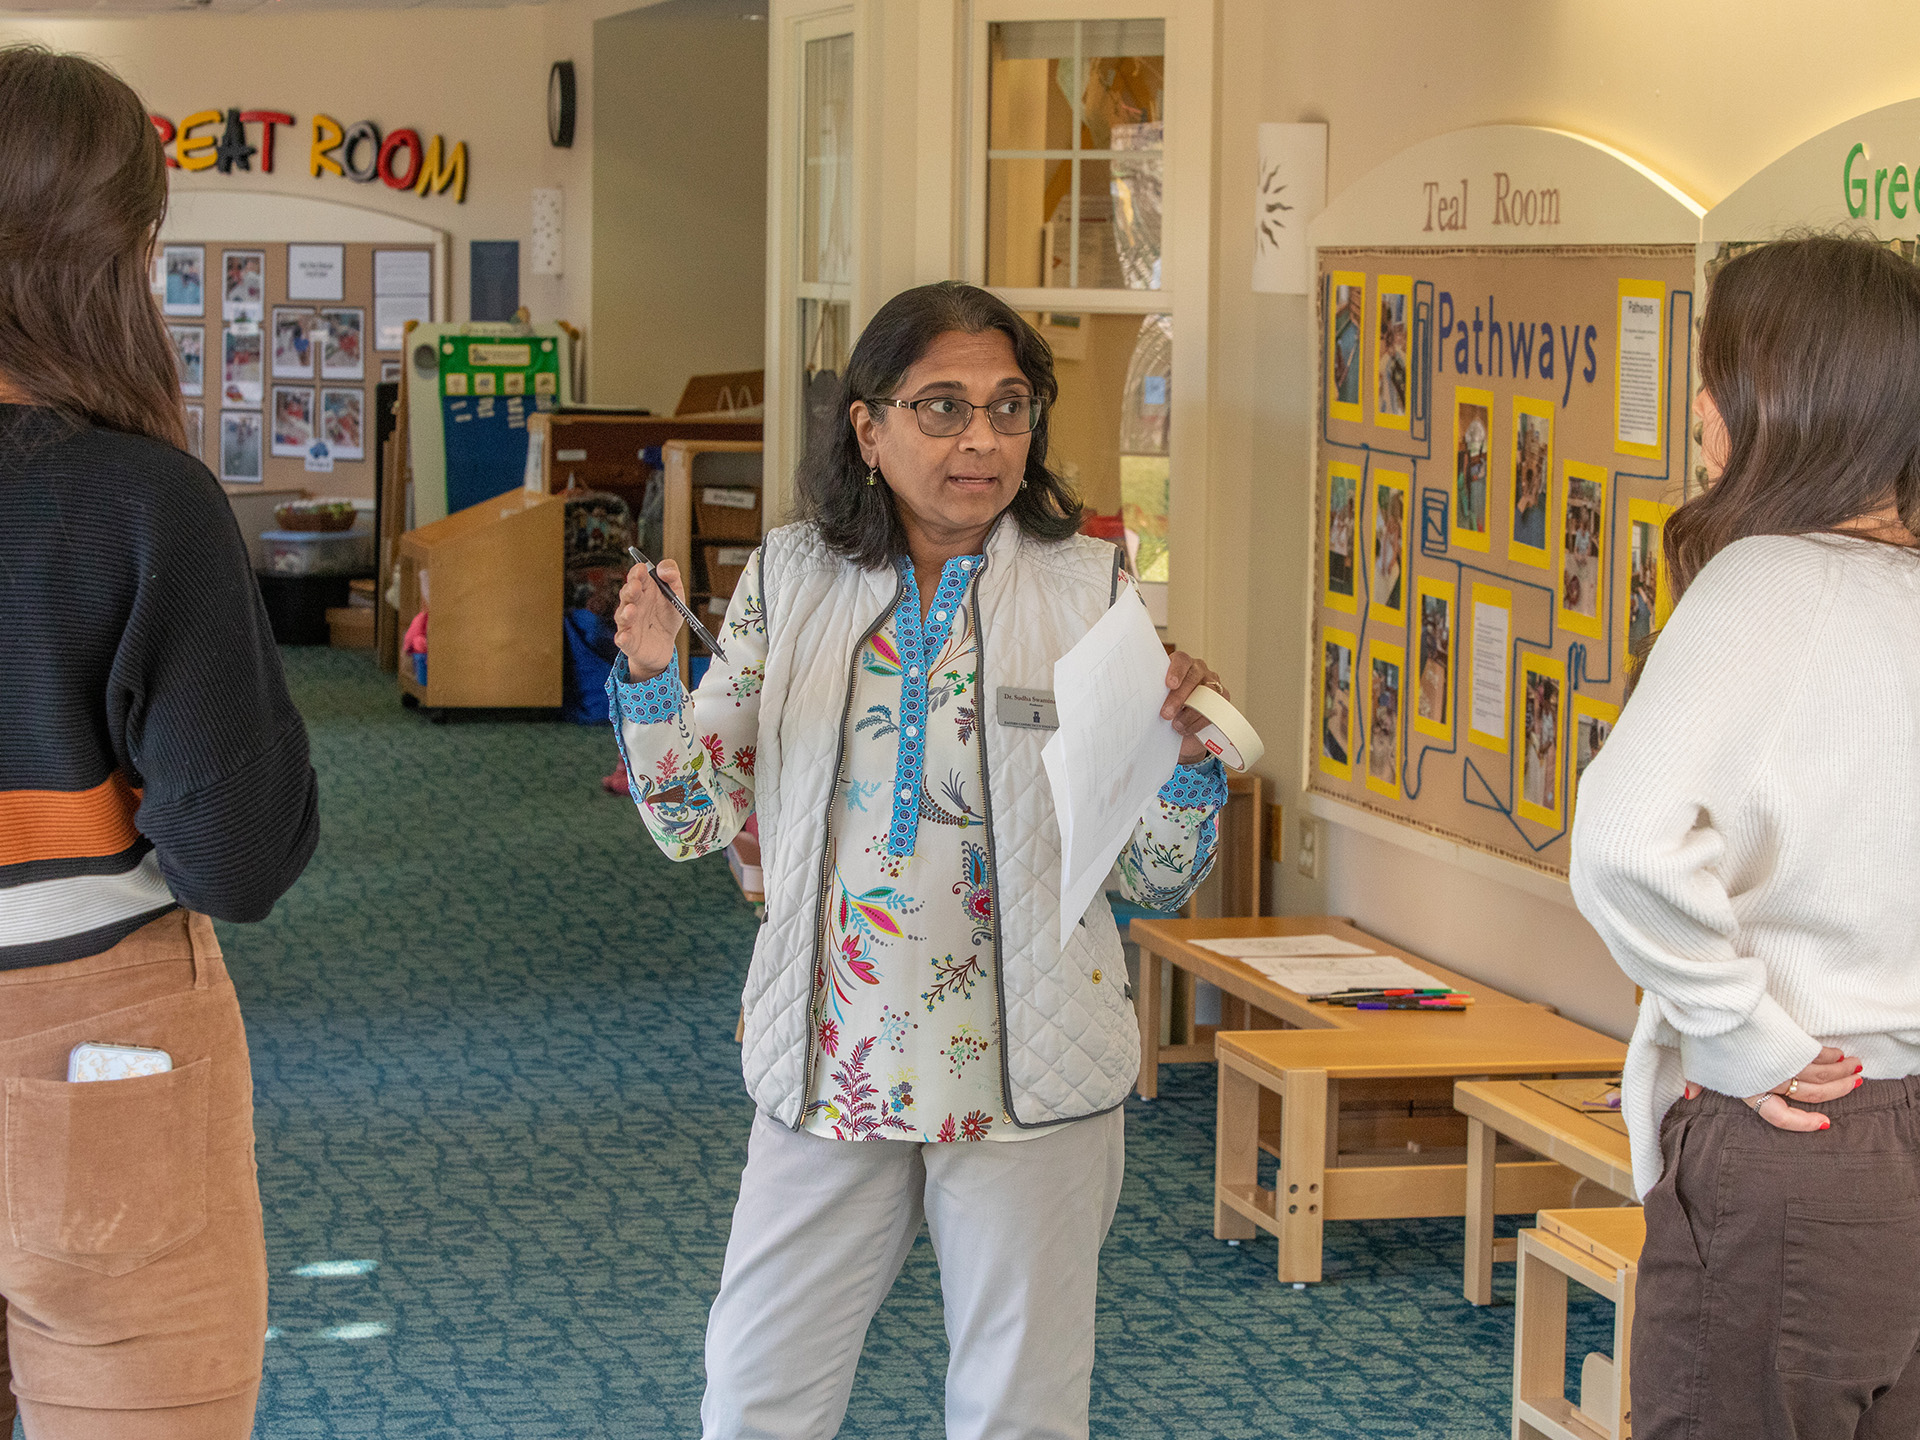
point(822, 1229)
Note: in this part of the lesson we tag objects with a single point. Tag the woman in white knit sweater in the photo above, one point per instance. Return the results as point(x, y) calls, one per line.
point(1748, 845)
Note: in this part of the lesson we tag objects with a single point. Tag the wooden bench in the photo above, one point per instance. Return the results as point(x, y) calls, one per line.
point(1593, 1146)
point(1361, 1165)
point(1601, 1250)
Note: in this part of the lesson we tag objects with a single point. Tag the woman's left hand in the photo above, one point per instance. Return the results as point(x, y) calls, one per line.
point(1185, 674)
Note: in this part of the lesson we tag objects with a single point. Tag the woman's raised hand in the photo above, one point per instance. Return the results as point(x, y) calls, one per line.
point(645, 624)
point(1185, 674)
point(1831, 1075)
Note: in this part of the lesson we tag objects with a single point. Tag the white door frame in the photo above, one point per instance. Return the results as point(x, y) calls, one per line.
point(1186, 211)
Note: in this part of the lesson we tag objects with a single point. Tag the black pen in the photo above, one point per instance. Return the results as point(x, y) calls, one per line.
point(693, 620)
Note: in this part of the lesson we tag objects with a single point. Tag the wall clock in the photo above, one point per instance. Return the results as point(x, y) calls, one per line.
point(560, 106)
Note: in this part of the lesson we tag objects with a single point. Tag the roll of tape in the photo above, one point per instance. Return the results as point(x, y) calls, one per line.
point(1229, 736)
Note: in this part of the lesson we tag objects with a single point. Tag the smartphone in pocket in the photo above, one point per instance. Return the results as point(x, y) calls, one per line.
point(91, 1060)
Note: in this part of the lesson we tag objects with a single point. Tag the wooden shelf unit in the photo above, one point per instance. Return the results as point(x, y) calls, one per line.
point(489, 578)
point(601, 449)
point(692, 466)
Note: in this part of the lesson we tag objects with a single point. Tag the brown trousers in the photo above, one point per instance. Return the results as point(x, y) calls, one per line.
point(1779, 1291)
point(133, 1262)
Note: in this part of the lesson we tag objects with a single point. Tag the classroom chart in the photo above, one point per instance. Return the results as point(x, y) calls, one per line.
point(1501, 437)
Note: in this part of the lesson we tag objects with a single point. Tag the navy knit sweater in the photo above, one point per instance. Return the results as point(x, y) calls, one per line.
point(150, 755)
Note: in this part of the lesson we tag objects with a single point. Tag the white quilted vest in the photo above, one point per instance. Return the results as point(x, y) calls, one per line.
point(1070, 1043)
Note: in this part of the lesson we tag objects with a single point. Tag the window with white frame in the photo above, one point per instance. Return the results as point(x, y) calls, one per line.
point(1077, 149)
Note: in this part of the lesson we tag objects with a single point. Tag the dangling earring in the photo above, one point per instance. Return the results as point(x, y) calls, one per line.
point(873, 477)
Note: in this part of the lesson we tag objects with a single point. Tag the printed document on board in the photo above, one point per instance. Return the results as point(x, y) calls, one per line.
point(1112, 752)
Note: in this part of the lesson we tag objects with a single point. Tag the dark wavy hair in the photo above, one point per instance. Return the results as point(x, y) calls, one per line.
point(859, 520)
point(82, 193)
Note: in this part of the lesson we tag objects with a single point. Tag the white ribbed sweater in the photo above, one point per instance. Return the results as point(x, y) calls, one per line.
point(1748, 842)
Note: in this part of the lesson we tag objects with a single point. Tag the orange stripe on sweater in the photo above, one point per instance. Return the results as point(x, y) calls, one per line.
point(67, 824)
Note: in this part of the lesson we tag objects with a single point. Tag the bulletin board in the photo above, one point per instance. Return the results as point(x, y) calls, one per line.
point(467, 392)
point(1501, 436)
point(284, 365)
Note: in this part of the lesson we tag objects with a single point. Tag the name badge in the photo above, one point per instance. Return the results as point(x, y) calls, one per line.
point(1026, 709)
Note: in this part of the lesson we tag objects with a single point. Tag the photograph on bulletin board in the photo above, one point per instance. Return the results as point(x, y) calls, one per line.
point(1392, 367)
point(292, 420)
point(184, 279)
point(190, 357)
point(1483, 573)
point(293, 348)
point(244, 293)
point(241, 434)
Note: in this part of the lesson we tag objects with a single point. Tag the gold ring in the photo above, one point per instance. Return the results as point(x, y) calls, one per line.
point(1792, 1086)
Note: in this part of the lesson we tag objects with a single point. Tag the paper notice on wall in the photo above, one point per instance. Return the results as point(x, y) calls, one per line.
point(391, 314)
point(1488, 722)
point(316, 272)
point(402, 272)
point(1637, 404)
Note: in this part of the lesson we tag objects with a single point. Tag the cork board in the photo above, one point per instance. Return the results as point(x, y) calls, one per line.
point(335, 396)
point(1502, 433)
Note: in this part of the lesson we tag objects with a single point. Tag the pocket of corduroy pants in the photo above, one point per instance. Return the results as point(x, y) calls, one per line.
point(107, 1175)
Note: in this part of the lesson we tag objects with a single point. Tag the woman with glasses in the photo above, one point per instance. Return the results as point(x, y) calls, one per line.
point(919, 1045)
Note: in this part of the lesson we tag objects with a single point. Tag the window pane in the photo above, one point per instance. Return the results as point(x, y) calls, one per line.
point(826, 341)
point(1108, 430)
point(1063, 208)
point(826, 208)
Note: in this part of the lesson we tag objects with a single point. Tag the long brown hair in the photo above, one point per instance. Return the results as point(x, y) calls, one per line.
point(83, 189)
point(1810, 349)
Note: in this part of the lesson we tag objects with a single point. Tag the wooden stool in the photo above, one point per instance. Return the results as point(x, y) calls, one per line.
point(1600, 1249)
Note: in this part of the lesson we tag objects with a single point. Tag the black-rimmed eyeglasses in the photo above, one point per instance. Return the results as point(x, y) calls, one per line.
point(944, 416)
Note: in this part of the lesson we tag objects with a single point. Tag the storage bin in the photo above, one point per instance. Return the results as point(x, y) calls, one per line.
point(725, 565)
point(318, 552)
point(729, 512)
point(350, 627)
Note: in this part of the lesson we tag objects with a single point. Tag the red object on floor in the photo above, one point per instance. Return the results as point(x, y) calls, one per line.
point(616, 783)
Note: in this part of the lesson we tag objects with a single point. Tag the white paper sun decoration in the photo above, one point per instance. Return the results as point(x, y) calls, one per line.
point(1292, 189)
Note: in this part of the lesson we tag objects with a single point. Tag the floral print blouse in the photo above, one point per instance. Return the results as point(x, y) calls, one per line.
point(906, 1017)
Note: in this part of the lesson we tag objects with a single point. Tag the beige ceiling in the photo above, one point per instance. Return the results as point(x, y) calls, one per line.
point(99, 9)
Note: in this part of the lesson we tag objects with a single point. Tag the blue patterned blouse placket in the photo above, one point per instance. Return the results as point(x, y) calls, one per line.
point(919, 648)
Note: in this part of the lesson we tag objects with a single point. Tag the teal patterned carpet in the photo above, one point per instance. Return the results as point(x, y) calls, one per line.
point(501, 1123)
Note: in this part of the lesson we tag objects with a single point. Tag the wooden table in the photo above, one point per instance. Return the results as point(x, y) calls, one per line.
point(1550, 1128)
point(1256, 999)
point(1321, 1178)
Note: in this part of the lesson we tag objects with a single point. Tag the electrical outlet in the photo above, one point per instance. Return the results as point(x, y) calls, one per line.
point(1276, 835)
point(1306, 851)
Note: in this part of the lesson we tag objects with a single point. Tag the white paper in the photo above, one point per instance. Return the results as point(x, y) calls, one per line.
point(390, 316)
point(1639, 397)
point(402, 272)
point(1277, 946)
point(315, 272)
point(1490, 669)
point(1112, 752)
point(1323, 976)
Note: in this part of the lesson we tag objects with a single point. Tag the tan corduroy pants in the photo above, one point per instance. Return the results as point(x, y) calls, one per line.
point(132, 1261)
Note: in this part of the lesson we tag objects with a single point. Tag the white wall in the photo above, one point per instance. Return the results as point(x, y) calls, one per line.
point(680, 198)
point(473, 75)
point(1705, 94)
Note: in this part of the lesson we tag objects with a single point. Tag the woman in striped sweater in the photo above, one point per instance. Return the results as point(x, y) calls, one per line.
point(153, 773)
